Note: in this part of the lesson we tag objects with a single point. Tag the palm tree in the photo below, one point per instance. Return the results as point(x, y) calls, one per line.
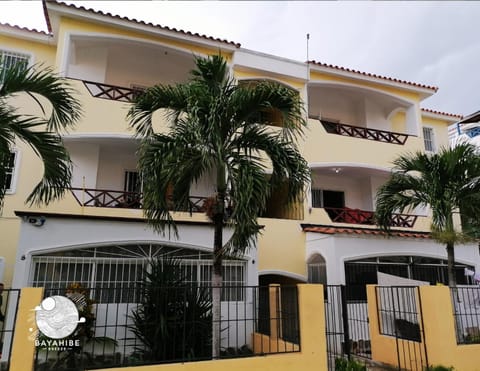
point(448, 182)
point(219, 127)
point(40, 132)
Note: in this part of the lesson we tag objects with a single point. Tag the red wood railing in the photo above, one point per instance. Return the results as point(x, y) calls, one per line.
point(357, 216)
point(111, 92)
point(92, 197)
point(364, 133)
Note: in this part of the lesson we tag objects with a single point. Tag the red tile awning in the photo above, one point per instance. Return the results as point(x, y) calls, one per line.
point(324, 229)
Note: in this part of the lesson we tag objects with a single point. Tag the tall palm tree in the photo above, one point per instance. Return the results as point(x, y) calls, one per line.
point(219, 127)
point(447, 182)
point(41, 132)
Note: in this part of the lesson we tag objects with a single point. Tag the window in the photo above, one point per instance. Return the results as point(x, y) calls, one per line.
point(428, 138)
point(9, 165)
point(9, 59)
point(233, 279)
point(359, 273)
point(317, 270)
point(133, 182)
point(323, 198)
point(105, 275)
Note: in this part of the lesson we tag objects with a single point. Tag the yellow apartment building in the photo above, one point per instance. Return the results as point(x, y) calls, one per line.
point(357, 124)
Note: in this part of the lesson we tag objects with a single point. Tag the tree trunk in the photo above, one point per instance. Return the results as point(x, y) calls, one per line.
point(452, 280)
point(216, 287)
point(218, 221)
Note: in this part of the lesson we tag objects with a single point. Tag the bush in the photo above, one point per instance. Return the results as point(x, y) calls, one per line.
point(439, 368)
point(342, 364)
point(173, 320)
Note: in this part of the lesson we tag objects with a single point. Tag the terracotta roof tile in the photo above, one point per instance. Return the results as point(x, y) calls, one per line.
point(442, 113)
point(188, 33)
point(363, 231)
point(340, 68)
point(24, 28)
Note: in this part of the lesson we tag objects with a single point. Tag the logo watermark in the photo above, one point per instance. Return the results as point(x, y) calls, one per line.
point(57, 318)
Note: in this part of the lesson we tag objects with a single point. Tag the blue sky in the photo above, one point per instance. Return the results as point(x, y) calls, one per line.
point(434, 43)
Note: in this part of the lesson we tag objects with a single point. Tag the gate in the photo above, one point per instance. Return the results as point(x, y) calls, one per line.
point(8, 317)
point(346, 324)
point(400, 316)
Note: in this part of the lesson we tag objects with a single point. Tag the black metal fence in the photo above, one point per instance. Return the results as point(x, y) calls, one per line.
point(346, 324)
point(466, 309)
point(8, 315)
point(171, 324)
point(400, 316)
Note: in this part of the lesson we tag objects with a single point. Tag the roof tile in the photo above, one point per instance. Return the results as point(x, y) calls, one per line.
point(24, 28)
point(442, 113)
point(188, 33)
point(340, 68)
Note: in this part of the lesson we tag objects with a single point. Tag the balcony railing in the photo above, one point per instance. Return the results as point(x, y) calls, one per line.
point(357, 216)
point(112, 92)
point(92, 197)
point(364, 133)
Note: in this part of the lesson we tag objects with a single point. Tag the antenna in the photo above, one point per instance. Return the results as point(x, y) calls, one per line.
point(308, 38)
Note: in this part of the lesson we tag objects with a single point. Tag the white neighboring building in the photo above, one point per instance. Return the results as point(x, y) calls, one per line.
point(466, 129)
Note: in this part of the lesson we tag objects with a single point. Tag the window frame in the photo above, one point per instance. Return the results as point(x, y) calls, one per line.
point(317, 268)
point(99, 273)
point(432, 139)
point(126, 180)
point(18, 52)
point(14, 178)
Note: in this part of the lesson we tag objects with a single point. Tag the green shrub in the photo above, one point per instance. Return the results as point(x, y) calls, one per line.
point(173, 320)
point(342, 364)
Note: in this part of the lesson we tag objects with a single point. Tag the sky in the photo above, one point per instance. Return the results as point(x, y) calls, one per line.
point(433, 43)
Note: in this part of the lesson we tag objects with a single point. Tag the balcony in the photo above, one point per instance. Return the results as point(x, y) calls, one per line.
point(91, 197)
point(116, 62)
point(353, 124)
point(347, 195)
point(341, 144)
point(364, 133)
point(364, 217)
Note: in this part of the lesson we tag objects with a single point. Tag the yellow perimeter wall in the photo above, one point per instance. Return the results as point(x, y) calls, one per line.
point(438, 329)
point(23, 346)
point(313, 354)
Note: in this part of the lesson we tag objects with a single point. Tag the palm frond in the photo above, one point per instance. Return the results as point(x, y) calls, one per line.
point(65, 109)
point(248, 102)
point(49, 147)
point(287, 162)
point(172, 98)
point(446, 182)
point(212, 130)
point(40, 133)
point(250, 191)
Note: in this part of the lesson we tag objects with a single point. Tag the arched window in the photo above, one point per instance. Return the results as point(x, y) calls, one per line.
point(317, 269)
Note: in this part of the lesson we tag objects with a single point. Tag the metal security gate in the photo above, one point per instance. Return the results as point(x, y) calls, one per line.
point(400, 316)
point(8, 317)
point(346, 324)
